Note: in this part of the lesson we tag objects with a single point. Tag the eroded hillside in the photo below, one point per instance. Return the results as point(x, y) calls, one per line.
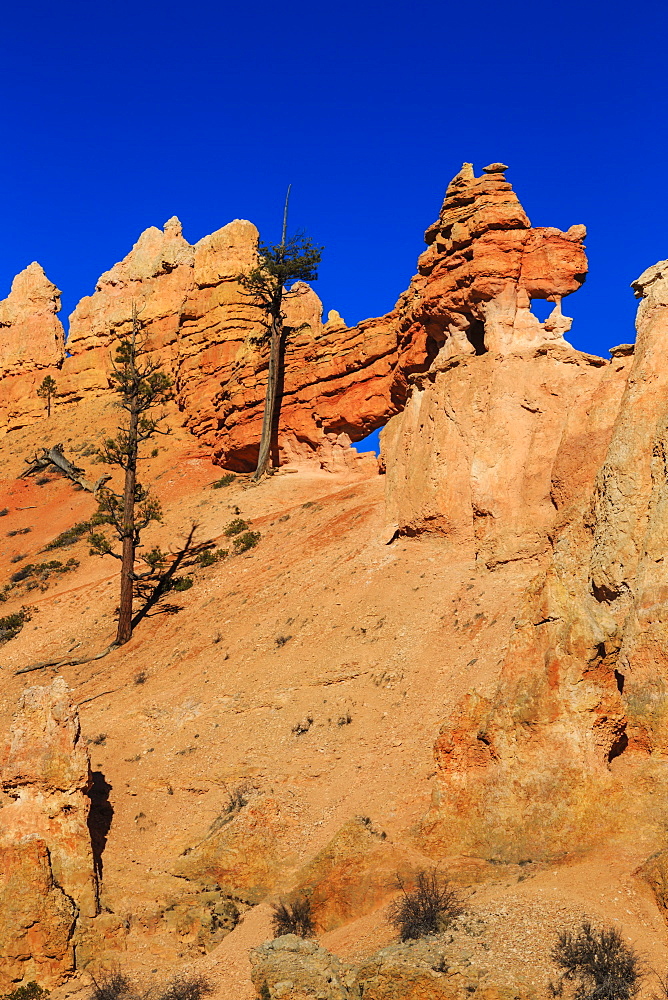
point(456, 662)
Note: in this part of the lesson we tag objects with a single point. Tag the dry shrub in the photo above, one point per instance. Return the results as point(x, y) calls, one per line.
point(600, 964)
point(429, 908)
point(293, 918)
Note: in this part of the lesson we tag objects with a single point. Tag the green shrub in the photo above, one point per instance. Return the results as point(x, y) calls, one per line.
point(31, 991)
point(182, 583)
point(11, 625)
point(70, 536)
point(209, 558)
point(235, 527)
point(38, 573)
point(4, 512)
point(18, 531)
point(225, 480)
point(249, 539)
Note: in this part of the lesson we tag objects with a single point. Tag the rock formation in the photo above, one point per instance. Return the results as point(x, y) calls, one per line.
point(530, 770)
point(47, 878)
point(483, 265)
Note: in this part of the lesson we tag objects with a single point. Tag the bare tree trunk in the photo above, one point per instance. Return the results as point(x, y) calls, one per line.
point(124, 632)
point(270, 397)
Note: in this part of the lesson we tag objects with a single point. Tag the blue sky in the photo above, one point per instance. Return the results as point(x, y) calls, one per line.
point(117, 116)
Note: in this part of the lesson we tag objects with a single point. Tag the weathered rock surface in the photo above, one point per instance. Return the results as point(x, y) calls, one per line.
point(48, 870)
point(31, 335)
point(483, 265)
point(295, 969)
point(530, 770)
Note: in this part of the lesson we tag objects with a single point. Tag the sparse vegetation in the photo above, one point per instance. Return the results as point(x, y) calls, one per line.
point(211, 557)
point(235, 527)
point(295, 258)
point(249, 539)
point(31, 991)
point(429, 908)
point(37, 574)
point(117, 986)
point(281, 640)
point(599, 964)
point(99, 740)
point(182, 583)
point(11, 625)
point(71, 535)
point(4, 512)
point(47, 391)
point(19, 557)
point(225, 480)
point(293, 918)
point(141, 677)
point(18, 531)
point(140, 385)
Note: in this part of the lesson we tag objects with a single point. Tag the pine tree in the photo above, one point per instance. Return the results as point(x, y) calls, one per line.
point(295, 258)
point(140, 385)
point(46, 391)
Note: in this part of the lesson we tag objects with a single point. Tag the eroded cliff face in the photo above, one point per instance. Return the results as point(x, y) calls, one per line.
point(515, 621)
point(47, 870)
point(570, 741)
point(483, 266)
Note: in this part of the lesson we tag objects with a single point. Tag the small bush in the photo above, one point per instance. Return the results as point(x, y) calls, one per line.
point(117, 986)
point(293, 918)
point(70, 536)
point(19, 558)
point(225, 480)
point(182, 583)
point(235, 527)
point(209, 558)
point(11, 625)
point(4, 512)
point(429, 908)
point(43, 480)
point(281, 640)
point(141, 677)
point(31, 991)
point(249, 539)
point(600, 964)
point(19, 531)
point(187, 988)
point(237, 799)
point(5, 592)
point(113, 986)
point(39, 573)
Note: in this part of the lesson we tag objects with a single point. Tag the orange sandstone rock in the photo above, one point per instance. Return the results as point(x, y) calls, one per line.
point(49, 877)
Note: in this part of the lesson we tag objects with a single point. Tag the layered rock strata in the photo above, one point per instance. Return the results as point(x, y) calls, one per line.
point(533, 767)
point(47, 870)
point(483, 265)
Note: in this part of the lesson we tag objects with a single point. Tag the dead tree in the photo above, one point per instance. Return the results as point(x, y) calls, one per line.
point(55, 457)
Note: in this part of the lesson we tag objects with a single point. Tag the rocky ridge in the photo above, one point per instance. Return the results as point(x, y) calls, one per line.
point(497, 596)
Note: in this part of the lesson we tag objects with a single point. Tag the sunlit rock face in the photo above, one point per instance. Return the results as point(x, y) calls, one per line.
point(48, 879)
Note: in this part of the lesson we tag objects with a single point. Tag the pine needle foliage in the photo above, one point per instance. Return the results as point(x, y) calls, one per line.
point(47, 391)
point(140, 385)
point(295, 258)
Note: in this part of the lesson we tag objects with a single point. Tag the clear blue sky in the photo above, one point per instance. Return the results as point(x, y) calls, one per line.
point(117, 116)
